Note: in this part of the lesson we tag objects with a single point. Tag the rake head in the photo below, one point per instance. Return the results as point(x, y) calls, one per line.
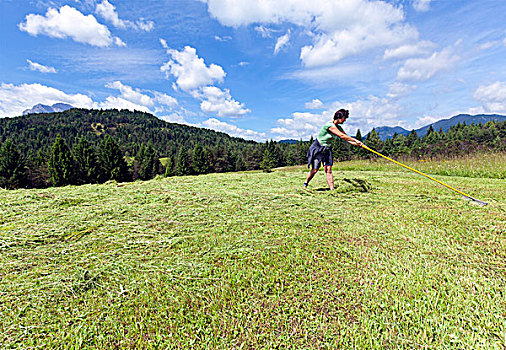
point(474, 200)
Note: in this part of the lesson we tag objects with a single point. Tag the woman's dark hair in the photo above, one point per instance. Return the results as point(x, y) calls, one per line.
point(341, 113)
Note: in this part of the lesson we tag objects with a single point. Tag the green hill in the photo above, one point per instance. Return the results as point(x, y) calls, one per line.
point(130, 129)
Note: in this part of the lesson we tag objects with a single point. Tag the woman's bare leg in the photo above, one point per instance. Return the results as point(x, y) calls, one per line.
point(329, 175)
point(312, 172)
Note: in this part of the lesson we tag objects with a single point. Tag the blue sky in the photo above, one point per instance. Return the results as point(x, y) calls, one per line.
point(258, 69)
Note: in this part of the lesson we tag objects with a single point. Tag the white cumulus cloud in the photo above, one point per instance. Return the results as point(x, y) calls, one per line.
point(315, 104)
point(301, 125)
point(174, 118)
point(67, 22)
point(196, 78)
point(165, 99)
point(219, 102)
point(331, 48)
point(493, 97)
point(339, 28)
point(39, 67)
point(136, 99)
point(108, 12)
point(190, 70)
point(119, 102)
point(129, 94)
point(233, 130)
point(422, 69)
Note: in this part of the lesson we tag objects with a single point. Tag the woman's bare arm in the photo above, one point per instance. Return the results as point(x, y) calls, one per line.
point(345, 137)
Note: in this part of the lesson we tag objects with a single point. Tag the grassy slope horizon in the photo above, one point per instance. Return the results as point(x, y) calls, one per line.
point(252, 260)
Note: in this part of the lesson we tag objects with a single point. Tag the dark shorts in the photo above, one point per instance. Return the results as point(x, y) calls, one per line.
point(324, 157)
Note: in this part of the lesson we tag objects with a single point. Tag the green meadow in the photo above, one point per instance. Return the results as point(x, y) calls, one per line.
point(251, 260)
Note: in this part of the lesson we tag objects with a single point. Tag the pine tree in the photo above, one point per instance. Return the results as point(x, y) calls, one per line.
point(40, 158)
point(147, 162)
point(38, 174)
point(13, 171)
point(86, 162)
point(398, 143)
point(169, 167)
point(154, 161)
point(271, 157)
point(431, 137)
point(182, 163)
point(112, 161)
point(221, 159)
point(374, 141)
point(253, 157)
point(411, 138)
point(442, 134)
point(388, 147)
point(239, 163)
point(359, 151)
point(289, 154)
point(358, 135)
point(61, 163)
point(139, 158)
point(301, 152)
point(199, 159)
point(491, 133)
point(209, 161)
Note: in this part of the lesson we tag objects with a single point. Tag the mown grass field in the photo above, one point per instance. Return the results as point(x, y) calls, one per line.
point(251, 260)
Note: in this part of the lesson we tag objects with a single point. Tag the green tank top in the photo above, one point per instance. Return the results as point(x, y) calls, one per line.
point(325, 135)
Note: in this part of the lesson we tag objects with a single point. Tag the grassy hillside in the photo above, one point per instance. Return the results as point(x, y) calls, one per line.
point(251, 260)
point(487, 165)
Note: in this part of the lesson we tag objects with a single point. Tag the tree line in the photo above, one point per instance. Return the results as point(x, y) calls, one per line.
point(459, 139)
point(122, 146)
point(87, 164)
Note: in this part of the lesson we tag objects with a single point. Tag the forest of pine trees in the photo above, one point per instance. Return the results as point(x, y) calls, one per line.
point(95, 146)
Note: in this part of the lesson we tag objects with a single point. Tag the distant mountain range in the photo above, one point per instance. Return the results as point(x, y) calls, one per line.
point(386, 132)
point(40, 108)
